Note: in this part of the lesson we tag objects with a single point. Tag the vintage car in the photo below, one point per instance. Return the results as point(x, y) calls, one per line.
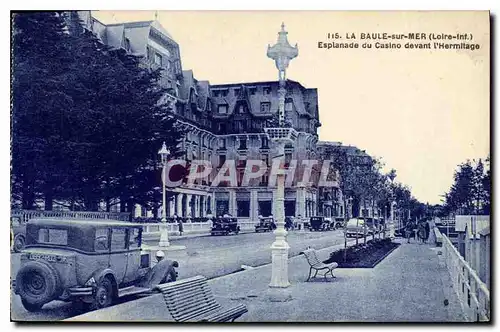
point(355, 227)
point(265, 225)
point(319, 224)
point(339, 223)
point(18, 233)
point(224, 226)
point(90, 263)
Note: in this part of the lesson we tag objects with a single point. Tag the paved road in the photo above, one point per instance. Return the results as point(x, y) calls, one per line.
point(211, 256)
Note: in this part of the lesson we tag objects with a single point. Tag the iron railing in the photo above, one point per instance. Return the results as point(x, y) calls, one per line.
point(473, 294)
point(26, 215)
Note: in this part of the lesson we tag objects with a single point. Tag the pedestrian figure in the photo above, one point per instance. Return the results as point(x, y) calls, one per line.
point(159, 256)
point(421, 232)
point(408, 231)
point(427, 231)
point(181, 227)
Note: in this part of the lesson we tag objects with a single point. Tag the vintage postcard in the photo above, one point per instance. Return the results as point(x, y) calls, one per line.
point(250, 166)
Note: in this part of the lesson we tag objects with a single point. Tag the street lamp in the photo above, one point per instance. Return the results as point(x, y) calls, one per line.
point(164, 152)
point(282, 52)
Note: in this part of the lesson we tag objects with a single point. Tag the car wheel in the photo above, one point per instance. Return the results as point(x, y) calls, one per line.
point(36, 283)
point(30, 306)
point(103, 296)
point(19, 242)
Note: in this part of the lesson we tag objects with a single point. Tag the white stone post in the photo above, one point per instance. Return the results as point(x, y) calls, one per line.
point(280, 247)
point(282, 52)
point(164, 152)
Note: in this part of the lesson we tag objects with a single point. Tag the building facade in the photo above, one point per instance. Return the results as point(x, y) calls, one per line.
point(332, 200)
point(223, 122)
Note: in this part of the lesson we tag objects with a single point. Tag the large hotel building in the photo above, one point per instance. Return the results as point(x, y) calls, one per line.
point(225, 122)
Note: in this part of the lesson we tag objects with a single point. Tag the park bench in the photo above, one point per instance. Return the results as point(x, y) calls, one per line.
point(191, 300)
point(316, 265)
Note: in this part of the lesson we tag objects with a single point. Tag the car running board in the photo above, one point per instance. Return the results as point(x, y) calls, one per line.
point(132, 290)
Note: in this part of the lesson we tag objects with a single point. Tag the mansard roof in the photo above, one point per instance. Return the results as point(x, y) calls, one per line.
point(305, 100)
point(189, 83)
point(137, 33)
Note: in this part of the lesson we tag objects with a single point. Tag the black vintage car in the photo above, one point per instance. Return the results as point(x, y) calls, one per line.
point(265, 225)
point(90, 263)
point(319, 224)
point(224, 226)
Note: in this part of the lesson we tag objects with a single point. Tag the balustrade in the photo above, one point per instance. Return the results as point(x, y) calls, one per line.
point(473, 294)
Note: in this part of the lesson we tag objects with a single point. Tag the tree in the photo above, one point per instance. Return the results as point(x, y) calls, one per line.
point(39, 102)
point(88, 115)
point(470, 191)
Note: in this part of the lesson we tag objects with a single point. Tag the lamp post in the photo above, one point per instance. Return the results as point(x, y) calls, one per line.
point(164, 152)
point(392, 221)
point(282, 52)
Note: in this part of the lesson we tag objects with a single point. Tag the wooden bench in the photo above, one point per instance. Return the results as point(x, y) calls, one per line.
point(191, 300)
point(316, 265)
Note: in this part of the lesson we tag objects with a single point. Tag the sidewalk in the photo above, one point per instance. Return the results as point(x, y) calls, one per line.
point(408, 285)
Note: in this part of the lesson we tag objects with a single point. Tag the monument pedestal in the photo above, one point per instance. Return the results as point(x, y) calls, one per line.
point(277, 294)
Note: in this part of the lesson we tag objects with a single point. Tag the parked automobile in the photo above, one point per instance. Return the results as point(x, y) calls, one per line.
point(225, 226)
point(265, 225)
point(91, 263)
point(355, 227)
point(339, 223)
point(334, 223)
point(319, 224)
point(18, 233)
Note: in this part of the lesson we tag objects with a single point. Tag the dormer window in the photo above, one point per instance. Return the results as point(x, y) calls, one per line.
point(158, 59)
point(265, 107)
point(225, 92)
point(267, 90)
point(237, 91)
point(253, 90)
point(222, 109)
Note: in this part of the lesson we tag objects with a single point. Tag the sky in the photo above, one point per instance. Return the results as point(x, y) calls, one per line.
point(422, 111)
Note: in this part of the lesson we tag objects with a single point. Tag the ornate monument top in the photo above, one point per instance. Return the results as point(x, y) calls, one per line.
point(282, 52)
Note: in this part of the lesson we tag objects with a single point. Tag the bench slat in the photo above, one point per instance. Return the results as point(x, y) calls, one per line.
point(199, 289)
point(225, 315)
point(192, 293)
point(182, 284)
point(194, 314)
point(187, 300)
point(193, 305)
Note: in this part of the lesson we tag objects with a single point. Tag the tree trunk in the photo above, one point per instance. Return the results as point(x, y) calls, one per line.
point(28, 196)
point(364, 224)
point(48, 199)
point(108, 204)
point(123, 207)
